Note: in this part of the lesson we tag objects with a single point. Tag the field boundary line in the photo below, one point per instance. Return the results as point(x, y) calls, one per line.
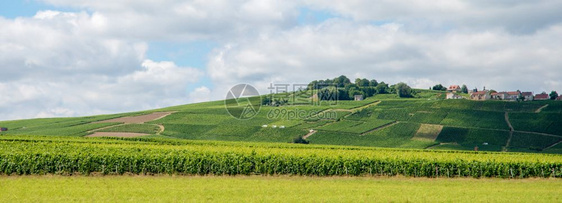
point(380, 127)
point(374, 103)
point(103, 128)
point(552, 145)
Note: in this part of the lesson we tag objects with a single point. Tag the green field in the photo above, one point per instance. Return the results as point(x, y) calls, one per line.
point(273, 189)
point(380, 121)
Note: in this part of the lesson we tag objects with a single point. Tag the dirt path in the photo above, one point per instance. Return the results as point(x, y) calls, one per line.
point(137, 119)
point(540, 109)
point(510, 130)
point(380, 127)
point(309, 134)
point(552, 145)
point(537, 133)
point(161, 129)
point(129, 120)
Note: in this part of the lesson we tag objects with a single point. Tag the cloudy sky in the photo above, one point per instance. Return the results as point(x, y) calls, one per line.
point(82, 57)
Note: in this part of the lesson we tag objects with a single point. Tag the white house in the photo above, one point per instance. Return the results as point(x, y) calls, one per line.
point(481, 95)
point(528, 96)
point(451, 95)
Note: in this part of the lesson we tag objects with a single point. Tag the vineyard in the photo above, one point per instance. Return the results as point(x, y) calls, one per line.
point(21, 155)
point(379, 121)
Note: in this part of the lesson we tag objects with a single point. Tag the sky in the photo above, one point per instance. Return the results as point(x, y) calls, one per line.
point(61, 58)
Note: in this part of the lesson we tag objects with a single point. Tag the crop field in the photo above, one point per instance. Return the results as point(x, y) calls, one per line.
point(67, 155)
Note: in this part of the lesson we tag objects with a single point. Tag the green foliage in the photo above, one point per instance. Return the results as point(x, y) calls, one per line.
point(469, 138)
point(537, 122)
point(553, 95)
point(439, 87)
point(472, 118)
point(300, 140)
point(403, 90)
point(41, 155)
point(464, 89)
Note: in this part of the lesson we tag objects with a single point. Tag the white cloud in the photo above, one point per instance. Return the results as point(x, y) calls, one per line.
point(517, 16)
point(495, 58)
point(56, 64)
point(173, 20)
point(200, 94)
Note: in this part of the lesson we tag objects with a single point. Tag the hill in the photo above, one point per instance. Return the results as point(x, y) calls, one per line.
point(383, 120)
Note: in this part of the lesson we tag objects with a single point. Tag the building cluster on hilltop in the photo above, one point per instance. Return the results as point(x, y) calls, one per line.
point(494, 95)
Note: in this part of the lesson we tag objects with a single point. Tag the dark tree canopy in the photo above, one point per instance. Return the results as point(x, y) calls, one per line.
point(553, 95)
point(464, 89)
point(439, 87)
point(403, 90)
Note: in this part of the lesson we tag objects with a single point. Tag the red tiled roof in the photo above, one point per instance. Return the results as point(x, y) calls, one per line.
point(513, 93)
point(454, 87)
point(541, 96)
point(527, 94)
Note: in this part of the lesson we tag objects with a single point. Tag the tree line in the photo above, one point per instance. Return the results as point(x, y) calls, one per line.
point(341, 88)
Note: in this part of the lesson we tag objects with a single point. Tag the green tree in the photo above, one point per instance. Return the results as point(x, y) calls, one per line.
point(382, 88)
point(553, 95)
point(364, 83)
point(341, 81)
point(403, 90)
point(464, 89)
point(312, 85)
point(373, 83)
point(439, 87)
point(266, 100)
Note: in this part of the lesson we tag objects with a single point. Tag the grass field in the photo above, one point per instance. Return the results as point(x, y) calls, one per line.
point(273, 189)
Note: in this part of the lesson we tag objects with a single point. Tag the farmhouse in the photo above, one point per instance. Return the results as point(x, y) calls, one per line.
point(512, 96)
point(499, 95)
point(451, 95)
point(559, 98)
point(454, 88)
point(481, 95)
point(543, 96)
point(528, 96)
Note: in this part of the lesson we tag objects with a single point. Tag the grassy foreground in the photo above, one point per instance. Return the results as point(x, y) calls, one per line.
point(274, 189)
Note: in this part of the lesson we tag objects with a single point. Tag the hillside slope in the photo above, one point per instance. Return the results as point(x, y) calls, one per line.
point(381, 121)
